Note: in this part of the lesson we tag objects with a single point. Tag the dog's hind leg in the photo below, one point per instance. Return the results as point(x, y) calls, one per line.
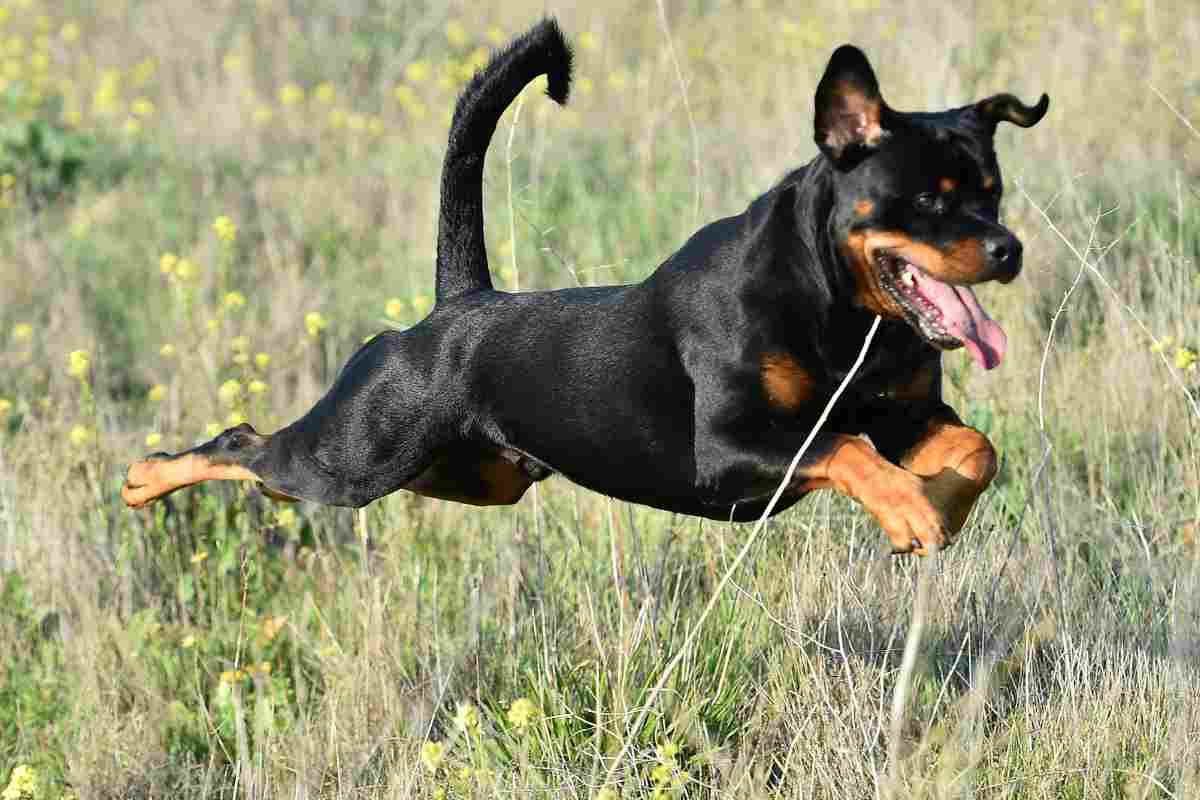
point(378, 428)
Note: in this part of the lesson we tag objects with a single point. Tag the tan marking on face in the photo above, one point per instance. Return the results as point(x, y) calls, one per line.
point(788, 387)
point(863, 208)
point(149, 480)
point(962, 262)
point(870, 293)
point(946, 185)
point(989, 182)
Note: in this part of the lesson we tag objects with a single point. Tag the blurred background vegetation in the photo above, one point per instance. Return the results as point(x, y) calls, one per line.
point(205, 206)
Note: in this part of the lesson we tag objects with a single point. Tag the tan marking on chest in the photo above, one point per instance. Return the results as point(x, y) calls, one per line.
point(863, 208)
point(947, 185)
point(787, 386)
point(989, 181)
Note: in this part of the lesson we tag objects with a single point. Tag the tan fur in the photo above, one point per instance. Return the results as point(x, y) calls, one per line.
point(788, 387)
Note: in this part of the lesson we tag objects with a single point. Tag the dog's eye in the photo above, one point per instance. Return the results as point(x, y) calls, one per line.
point(929, 203)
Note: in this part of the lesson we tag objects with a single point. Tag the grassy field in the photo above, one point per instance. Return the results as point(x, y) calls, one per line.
point(207, 205)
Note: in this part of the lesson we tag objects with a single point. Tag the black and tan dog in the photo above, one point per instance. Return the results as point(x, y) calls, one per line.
point(692, 390)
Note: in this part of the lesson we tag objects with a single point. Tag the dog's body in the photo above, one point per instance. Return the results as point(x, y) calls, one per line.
point(692, 390)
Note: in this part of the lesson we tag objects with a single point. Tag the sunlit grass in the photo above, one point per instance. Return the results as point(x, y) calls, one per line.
point(205, 208)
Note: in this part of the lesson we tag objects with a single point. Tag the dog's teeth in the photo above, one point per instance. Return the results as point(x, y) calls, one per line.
point(907, 278)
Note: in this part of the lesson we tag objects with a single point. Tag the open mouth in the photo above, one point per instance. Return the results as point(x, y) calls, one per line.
point(946, 315)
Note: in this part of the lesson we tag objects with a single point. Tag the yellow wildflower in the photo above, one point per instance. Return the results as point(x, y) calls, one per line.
point(239, 344)
point(1185, 359)
point(263, 115)
point(421, 305)
point(586, 85)
point(376, 126)
point(199, 556)
point(337, 119)
point(607, 793)
point(404, 94)
point(315, 323)
point(257, 387)
point(325, 93)
point(1162, 344)
point(184, 269)
point(153, 439)
point(232, 676)
point(133, 126)
point(22, 783)
point(262, 360)
point(618, 80)
point(213, 429)
point(69, 32)
point(588, 41)
point(78, 362)
point(157, 393)
point(80, 435)
point(226, 229)
point(231, 63)
point(235, 418)
point(5, 406)
point(142, 107)
point(418, 72)
point(286, 518)
point(432, 754)
point(467, 718)
point(188, 642)
point(167, 350)
point(40, 62)
point(496, 35)
point(167, 263)
point(456, 34)
point(521, 712)
point(230, 392)
point(212, 323)
point(22, 331)
point(291, 95)
point(143, 71)
point(241, 359)
point(394, 308)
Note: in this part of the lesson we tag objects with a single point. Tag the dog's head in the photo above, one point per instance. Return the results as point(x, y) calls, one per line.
point(917, 202)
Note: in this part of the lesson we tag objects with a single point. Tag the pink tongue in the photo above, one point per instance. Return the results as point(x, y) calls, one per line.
point(966, 320)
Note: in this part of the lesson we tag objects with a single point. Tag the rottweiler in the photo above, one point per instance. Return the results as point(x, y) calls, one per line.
point(692, 390)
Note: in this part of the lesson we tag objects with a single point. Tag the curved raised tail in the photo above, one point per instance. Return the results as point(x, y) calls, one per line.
point(462, 265)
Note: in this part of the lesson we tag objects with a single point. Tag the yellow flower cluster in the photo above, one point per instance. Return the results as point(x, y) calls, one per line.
point(22, 332)
point(432, 754)
point(173, 266)
point(467, 718)
point(315, 323)
point(80, 435)
point(78, 363)
point(521, 712)
point(225, 229)
point(22, 783)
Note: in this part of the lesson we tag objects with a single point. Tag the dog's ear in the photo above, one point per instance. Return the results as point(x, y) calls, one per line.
point(1007, 108)
point(850, 111)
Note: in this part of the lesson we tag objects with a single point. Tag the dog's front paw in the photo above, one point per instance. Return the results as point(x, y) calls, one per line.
point(913, 522)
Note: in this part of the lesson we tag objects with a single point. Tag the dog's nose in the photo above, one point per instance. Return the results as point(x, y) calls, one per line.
point(1004, 253)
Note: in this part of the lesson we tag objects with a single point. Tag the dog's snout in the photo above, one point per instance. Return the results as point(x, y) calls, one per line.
point(1004, 253)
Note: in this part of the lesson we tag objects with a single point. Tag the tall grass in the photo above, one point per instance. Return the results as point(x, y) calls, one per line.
point(222, 645)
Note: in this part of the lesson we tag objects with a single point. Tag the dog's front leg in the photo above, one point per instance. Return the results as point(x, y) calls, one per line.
point(898, 498)
point(955, 462)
